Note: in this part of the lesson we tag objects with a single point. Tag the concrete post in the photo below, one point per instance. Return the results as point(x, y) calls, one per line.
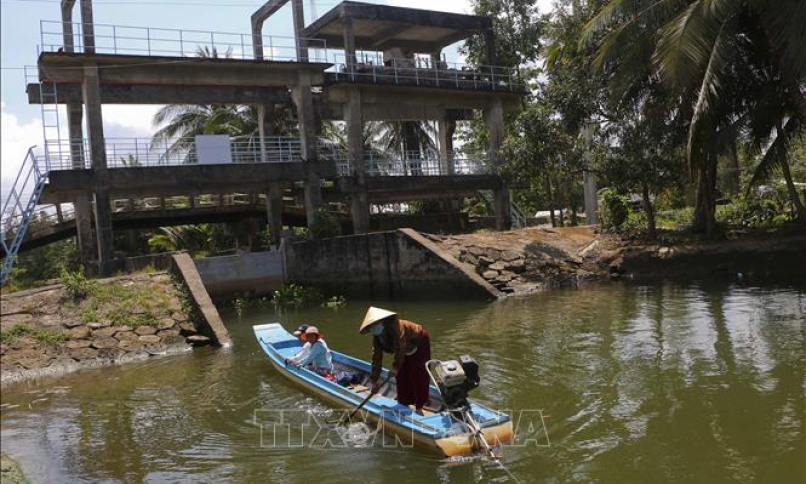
point(274, 212)
point(494, 115)
point(67, 25)
point(95, 134)
point(87, 251)
point(436, 58)
point(359, 203)
point(103, 230)
point(303, 99)
point(446, 129)
point(349, 44)
point(589, 179)
point(489, 45)
point(75, 130)
point(91, 92)
point(299, 25)
point(87, 27)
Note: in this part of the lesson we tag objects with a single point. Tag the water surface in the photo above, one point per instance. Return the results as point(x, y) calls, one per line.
point(666, 383)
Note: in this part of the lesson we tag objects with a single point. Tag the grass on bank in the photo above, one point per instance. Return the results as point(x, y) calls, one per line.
point(43, 336)
point(119, 303)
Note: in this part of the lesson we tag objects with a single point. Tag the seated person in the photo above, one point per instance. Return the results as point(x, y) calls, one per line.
point(300, 332)
point(314, 353)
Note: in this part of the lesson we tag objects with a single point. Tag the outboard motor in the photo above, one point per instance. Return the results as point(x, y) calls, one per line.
point(455, 379)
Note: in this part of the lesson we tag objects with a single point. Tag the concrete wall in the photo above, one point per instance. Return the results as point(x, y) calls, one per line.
point(252, 273)
point(207, 318)
point(399, 264)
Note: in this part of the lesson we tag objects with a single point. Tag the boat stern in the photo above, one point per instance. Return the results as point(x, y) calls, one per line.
point(462, 444)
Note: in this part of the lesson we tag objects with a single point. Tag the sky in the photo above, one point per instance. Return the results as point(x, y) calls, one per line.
point(20, 127)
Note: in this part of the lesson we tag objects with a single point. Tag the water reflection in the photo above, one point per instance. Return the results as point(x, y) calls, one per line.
point(665, 383)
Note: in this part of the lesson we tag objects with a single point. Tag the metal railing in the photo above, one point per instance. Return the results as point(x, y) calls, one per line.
point(20, 205)
point(371, 67)
point(131, 40)
point(143, 152)
point(413, 163)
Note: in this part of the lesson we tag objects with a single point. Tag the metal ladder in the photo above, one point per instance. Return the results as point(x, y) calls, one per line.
point(19, 209)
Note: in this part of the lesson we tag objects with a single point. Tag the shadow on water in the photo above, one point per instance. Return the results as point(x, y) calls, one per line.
point(662, 383)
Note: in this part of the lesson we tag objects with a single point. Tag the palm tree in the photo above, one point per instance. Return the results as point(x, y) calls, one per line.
point(179, 124)
point(409, 140)
point(737, 67)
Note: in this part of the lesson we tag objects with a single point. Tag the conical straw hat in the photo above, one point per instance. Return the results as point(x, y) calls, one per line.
point(373, 316)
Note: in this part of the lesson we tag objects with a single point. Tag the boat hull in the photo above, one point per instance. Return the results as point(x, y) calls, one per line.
point(404, 427)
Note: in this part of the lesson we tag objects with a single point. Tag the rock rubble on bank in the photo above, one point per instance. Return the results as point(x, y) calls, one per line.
point(529, 260)
point(46, 331)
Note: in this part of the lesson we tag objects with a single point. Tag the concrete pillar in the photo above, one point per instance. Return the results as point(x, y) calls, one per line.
point(436, 58)
point(75, 130)
point(591, 197)
point(445, 130)
point(103, 231)
point(67, 25)
point(91, 92)
point(489, 45)
point(359, 203)
point(87, 27)
point(303, 99)
point(274, 212)
point(97, 145)
point(349, 44)
point(298, 13)
point(494, 116)
point(87, 251)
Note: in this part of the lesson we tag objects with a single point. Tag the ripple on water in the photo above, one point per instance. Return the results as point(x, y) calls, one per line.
point(679, 382)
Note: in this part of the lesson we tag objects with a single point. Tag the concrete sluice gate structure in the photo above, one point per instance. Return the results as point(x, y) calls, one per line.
point(356, 64)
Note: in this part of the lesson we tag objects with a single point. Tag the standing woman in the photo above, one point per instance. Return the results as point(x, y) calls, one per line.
point(411, 347)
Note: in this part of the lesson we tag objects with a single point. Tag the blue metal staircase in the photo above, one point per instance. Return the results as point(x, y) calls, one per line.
point(19, 207)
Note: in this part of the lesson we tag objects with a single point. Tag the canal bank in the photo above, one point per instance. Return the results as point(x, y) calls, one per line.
point(84, 323)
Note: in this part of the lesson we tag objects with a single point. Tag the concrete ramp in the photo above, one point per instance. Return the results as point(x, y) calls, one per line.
point(399, 264)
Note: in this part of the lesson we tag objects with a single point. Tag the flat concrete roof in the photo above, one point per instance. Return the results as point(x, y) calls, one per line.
point(378, 26)
point(67, 67)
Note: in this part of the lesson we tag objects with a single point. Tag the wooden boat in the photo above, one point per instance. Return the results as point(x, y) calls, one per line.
point(436, 430)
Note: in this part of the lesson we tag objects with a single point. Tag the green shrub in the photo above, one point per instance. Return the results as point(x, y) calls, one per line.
point(294, 296)
point(753, 212)
point(15, 332)
point(77, 285)
point(615, 209)
point(325, 225)
point(50, 337)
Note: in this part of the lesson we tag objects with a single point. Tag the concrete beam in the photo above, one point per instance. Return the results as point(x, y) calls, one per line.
point(62, 67)
point(177, 94)
point(410, 188)
point(183, 180)
point(413, 97)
